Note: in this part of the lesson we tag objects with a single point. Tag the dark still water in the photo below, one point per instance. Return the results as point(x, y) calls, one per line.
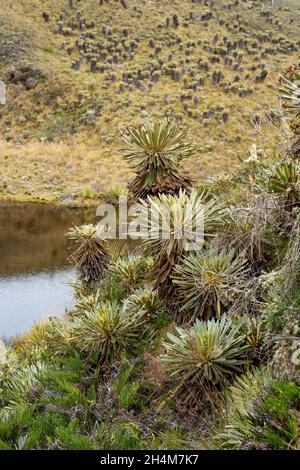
point(35, 274)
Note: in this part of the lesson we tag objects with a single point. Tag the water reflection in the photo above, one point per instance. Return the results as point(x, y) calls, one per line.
point(30, 297)
point(32, 237)
point(34, 270)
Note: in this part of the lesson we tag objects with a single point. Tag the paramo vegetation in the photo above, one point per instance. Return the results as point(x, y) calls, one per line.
point(167, 348)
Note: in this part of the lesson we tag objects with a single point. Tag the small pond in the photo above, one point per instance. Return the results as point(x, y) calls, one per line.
point(35, 274)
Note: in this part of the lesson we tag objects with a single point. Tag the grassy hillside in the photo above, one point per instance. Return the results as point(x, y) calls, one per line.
point(76, 71)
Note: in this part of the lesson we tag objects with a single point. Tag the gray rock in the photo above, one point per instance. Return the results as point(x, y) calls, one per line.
point(66, 198)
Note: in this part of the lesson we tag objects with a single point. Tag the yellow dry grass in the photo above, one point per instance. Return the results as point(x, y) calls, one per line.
point(41, 158)
point(47, 171)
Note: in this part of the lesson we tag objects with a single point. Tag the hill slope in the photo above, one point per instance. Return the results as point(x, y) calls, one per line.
point(76, 71)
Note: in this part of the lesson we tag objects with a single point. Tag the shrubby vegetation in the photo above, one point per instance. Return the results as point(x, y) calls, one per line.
point(155, 150)
point(169, 348)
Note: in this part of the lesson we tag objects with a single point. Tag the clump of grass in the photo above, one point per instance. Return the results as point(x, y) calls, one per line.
point(154, 150)
point(90, 256)
point(204, 358)
point(282, 180)
point(252, 231)
point(48, 49)
point(51, 337)
point(262, 413)
point(290, 92)
point(131, 271)
point(209, 282)
point(88, 193)
point(115, 192)
point(109, 330)
point(178, 217)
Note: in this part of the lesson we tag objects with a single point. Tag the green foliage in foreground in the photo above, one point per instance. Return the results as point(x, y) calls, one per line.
point(65, 406)
point(263, 413)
